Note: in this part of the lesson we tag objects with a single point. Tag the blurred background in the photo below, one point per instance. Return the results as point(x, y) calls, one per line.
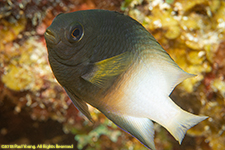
point(34, 109)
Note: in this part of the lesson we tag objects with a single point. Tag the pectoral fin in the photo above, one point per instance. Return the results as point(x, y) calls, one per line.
point(140, 128)
point(80, 105)
point(104, 71)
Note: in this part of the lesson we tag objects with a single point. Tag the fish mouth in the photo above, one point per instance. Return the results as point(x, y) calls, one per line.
point(51, 37)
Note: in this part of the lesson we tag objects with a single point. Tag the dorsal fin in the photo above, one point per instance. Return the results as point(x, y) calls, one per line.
point(169, 73)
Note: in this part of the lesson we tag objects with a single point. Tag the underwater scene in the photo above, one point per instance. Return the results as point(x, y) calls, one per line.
point(36, 112)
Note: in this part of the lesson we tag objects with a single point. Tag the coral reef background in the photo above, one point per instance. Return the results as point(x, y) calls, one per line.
point(34, 109)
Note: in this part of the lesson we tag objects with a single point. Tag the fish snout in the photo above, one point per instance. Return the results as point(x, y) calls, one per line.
point(51, 37)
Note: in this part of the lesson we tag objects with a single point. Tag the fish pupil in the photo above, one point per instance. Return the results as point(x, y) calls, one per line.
point(76, 33)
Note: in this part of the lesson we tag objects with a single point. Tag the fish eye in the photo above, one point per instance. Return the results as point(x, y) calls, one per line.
point(75, 32)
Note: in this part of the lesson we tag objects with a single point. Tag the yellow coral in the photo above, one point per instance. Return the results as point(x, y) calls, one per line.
point(27, 67)
point(196, 57)
point(219, 85)
point(10, 31)
point(17, 78)
point(173, 32)
point(187, 5)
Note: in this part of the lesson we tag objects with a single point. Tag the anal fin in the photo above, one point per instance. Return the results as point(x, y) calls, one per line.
point(140, 128)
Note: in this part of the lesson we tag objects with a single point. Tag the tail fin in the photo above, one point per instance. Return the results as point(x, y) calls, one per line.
point(184, 121)
point(140, 128)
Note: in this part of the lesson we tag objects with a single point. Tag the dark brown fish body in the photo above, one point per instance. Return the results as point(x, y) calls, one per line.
point(77, 63)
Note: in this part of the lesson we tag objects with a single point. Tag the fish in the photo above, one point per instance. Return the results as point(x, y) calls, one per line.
point(110, 61)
